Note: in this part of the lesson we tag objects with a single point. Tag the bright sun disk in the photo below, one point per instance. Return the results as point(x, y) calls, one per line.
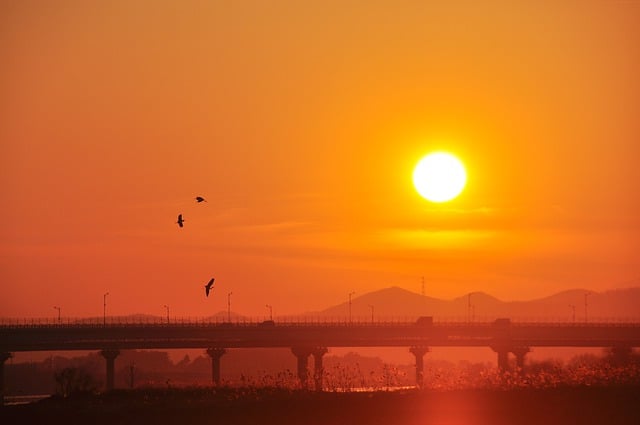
point(439, 177)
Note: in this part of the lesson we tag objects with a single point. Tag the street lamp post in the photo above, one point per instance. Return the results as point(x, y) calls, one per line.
point(573, 312)
point(104, 308)
point(229, 306)
point(57, 308)
point(371, 307)
point(350, 294)
point(270, 312)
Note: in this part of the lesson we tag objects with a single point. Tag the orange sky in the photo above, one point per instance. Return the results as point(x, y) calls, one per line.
point(301, 122)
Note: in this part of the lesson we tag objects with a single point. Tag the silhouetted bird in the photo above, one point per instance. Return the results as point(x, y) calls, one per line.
point(200, 199)
point(180, 220)
point(208, 286)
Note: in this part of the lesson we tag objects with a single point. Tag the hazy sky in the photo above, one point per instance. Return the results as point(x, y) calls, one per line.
point(301, 123)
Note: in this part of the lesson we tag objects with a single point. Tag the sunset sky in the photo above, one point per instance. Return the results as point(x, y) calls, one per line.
point(301, 123)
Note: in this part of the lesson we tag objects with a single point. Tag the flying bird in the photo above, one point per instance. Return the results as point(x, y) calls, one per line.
point(208, 286)
point(200, 199)
point(180, 220)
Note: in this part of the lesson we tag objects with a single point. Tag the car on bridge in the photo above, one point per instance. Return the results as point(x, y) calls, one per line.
point(424, 321)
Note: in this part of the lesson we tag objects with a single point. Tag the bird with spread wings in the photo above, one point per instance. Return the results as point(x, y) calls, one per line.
point(209, 286)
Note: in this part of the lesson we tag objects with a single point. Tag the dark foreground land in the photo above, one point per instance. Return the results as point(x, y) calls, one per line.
point(568, 405)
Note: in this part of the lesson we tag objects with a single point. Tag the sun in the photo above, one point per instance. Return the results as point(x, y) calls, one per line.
point(439, 177)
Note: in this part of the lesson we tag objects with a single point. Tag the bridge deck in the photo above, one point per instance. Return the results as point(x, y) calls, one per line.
point(50, 337)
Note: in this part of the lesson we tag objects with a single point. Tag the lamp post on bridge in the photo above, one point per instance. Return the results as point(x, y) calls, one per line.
point(57, 308)
point(270, 311)
point(104, 308)
point(573, 315)
point(371, 307)
point(229, 307)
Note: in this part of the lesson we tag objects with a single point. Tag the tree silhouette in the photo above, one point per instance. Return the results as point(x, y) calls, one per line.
point(71, 381)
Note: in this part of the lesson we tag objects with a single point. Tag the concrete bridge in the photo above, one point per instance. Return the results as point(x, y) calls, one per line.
point(313, 339)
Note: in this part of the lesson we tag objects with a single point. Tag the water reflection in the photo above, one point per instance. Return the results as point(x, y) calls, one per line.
point(12, 400)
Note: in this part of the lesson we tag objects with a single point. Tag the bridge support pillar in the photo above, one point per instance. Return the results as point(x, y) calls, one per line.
point(419, 353)
point(318, 369)
point(503, 360)
point(215, 354)
point(503, 357)
point(110, 357)
point(4, 356)
point(302, 354)
point(520, 353)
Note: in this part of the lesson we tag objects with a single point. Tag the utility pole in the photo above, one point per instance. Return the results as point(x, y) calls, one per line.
point(57, 308)
point(350, 294)
point(104, 308)
point(424, 298)
point(586, 305)
point(229, 307)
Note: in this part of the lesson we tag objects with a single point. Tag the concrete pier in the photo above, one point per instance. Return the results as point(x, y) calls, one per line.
point(318, 368)
point(215, 354)
point(419, 353)
point(302, 354)
point(520, 353)
point(503, 350)
point(503, 357)
point(110, 357)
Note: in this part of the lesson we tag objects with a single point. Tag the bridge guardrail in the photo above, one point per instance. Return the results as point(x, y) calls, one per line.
point(336, 322)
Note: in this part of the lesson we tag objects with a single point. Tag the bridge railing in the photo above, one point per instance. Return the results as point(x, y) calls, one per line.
point(156, 321)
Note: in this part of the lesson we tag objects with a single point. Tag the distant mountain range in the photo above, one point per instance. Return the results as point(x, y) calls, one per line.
point(566, 306)
point(397, 304)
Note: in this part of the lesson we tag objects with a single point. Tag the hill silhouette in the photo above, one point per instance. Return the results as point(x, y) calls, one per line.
point(398, 303)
